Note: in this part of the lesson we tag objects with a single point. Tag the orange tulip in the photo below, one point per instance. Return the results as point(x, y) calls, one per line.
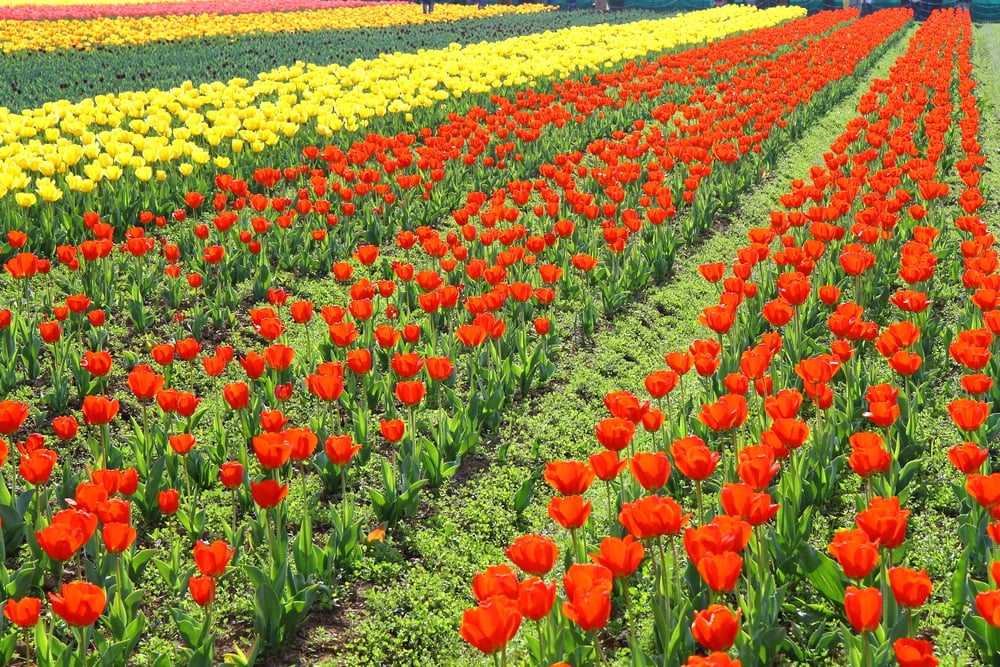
point(863, 608)
point(716, 627)
point(651, 470)
point(909, 587)
point(621, 556)
point(24, 612)
point(653, 516)
point(202, 590)
point(491, 625)
point(720, 571)
point(79, 603)
point(533, 554)
point(212, 559)
point(570, 512)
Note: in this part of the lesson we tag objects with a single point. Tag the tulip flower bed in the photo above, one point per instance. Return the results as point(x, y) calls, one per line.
point(462, 257)
point(833, 369)
point(50, 35)
point(91, 149)
point(34, 12)
point(36, 78)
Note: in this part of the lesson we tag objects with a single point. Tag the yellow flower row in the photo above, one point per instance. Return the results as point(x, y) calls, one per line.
point(77, 146)
point(119, 31)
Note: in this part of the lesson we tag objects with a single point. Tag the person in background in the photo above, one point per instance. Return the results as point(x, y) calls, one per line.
point(427, 6)
point(964, 5)
point(866, 7)
point(481, 4)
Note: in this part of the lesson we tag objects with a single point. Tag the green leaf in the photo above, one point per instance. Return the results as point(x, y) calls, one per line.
point(522, 499)
point(823, 573)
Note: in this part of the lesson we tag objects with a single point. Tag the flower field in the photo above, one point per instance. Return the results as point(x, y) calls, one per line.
point(551, 341)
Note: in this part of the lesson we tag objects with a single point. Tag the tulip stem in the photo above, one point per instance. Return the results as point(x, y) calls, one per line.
point(677, 565)
point(701, 504)
point(866, 648)
point(27, 646)
point(234, 504)
point(633, 637)
point(83, 646)
point(343, 492)
point(120, 572)
point(664, 581)
point(611, 513)
point(541, 644)
point(579, 555)
point(909, 622)
point(38, 504)
point(600, 651)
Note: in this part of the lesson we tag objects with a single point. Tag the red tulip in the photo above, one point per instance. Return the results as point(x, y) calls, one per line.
point(99, 410)
point(117, 537)
point(720, 571)
point(535, 598)
point(914, 652)
point(410, 393)
point(651, 470)
point(202, 590)
point(212, 559)
point(496, 580)
point(729, 412)
point(855, 552)
point(653, 516)
point(716, 627)
point(231, 474)
point(570, 512)
point(569, 478)
point(621, 556)
point(268, 494)
point(615, 433)
point(168, 501)
point(12, 415)
point(340, 449)
point(589, 609)
point(863, 608)
point(24, 612)
point(909, 587)
point(534, 554)
point(491, 625)
point(79, 603)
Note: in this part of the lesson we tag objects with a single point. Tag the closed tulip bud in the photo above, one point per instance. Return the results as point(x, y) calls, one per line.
point(231, 474)
point(202, 590)
point(168, 501)
point(863, 608)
